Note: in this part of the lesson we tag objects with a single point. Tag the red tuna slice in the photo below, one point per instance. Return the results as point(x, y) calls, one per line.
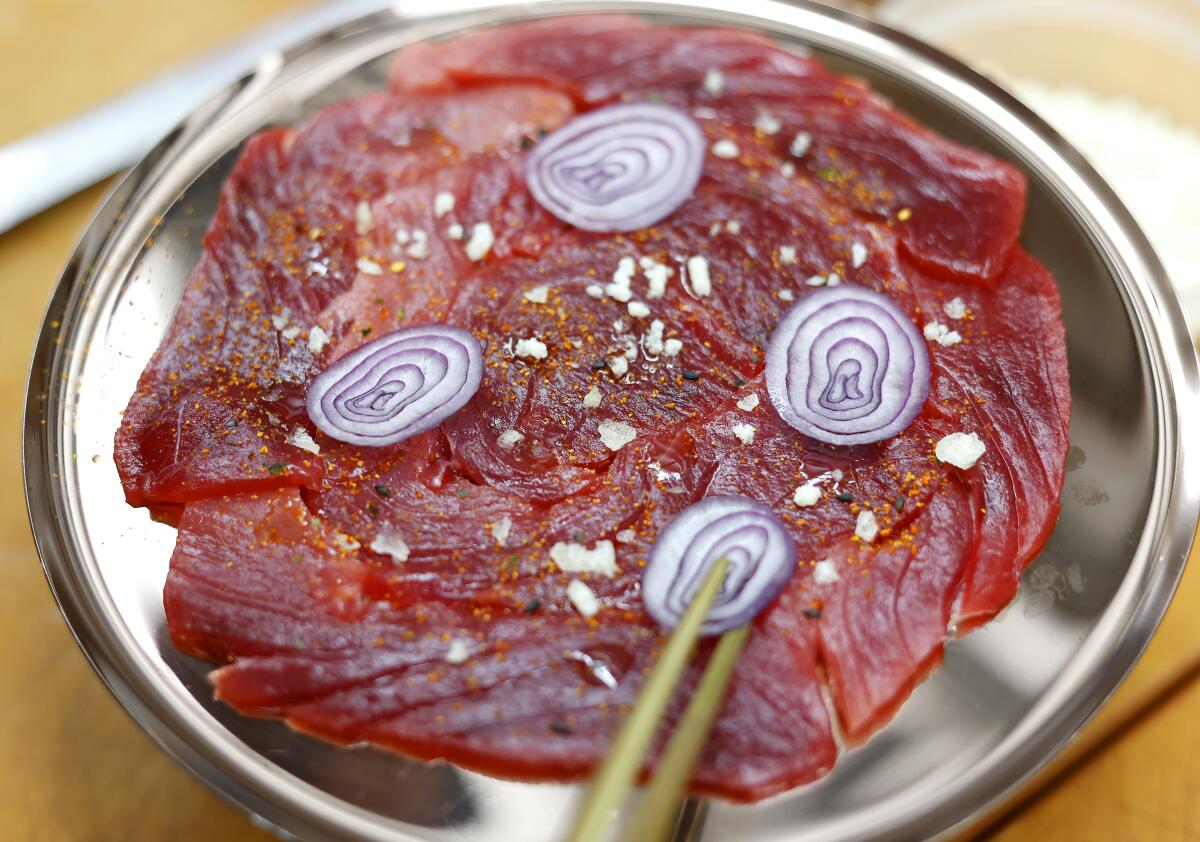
point(1007, 381)
point(956, 211)
point(961, 208)
point(303, 644)
point(595, 59)
point(194, 427)
point(884, 623)
point(215, 408)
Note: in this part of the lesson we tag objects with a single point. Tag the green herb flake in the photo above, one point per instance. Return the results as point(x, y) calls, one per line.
point(900, 503)
point(373, 510)
point(383, 491)
point(845, 496)
point(366, 331)
point(277, 468)
point(691, 375)
point(599, 365)
point(739, 382)
point(532, 606)
point(560, 728)
point(462, 493)
point(814, 613)
point(827, 174)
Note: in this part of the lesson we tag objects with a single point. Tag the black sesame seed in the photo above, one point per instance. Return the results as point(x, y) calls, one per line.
point(374, 510)
point(383, 491)
point(532, 606)
point(599, 365)
point(691, 375)
point(366, 331)
point(560, 728)
point(526, 143)
point(739, 382)
point(814, 613)
point(845, 496)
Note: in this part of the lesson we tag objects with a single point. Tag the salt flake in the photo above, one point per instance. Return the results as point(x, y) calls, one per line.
point(806, 495)
point(500, 530)
point(537, 295)
point(583, 598)
point(866, 527)
point(481, 242)
point(616, 434)
point(698, 274)
point(800, 144)
point(458, 652)
point(962, 450)
point(858, 254)
point(825, 572)
point(300, 438)
point(532, 348)
point(955, 308)
point(391, 544)
point(726, 149)
point(939, 333)
point(317, 340)
point(714, 82)
point(443, 203)
point(767, 123)
point(576, 558)
point(509, 439)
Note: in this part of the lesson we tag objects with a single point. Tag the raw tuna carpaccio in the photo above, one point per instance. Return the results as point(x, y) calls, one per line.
point(332, 585)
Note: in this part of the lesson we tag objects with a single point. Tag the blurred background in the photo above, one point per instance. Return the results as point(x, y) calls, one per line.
point(1120, 79)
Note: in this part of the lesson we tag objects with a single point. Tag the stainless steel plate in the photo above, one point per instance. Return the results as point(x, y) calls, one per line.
point(1007, 697)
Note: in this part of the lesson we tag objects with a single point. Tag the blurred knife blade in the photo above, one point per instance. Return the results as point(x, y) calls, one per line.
point(44, 168)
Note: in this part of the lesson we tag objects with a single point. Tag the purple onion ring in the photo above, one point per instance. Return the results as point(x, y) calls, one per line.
point(761, 553)
point(618, 168)
point(847, 366)
point(396, 386)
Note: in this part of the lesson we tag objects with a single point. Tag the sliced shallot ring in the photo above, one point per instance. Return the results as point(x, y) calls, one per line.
point(618, 168)
point(847, 366)
point(396, 386)
point(760, 550)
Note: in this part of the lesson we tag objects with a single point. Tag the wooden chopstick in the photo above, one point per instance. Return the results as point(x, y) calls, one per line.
point(659, 809)
point(663, 799)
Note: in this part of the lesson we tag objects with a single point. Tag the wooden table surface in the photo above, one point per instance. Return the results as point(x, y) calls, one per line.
point(74, 767)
